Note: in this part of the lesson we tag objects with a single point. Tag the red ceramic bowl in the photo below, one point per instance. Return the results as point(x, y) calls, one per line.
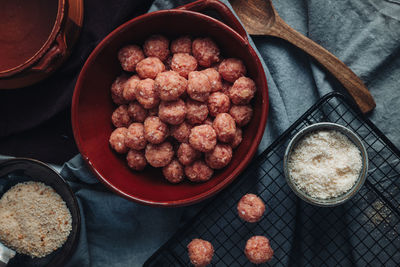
point(92, 105)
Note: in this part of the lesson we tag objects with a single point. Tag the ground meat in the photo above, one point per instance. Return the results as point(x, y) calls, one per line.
point(173, 172)
point(117, 89)
point(134, 138)
point(200, 252)
point(258, 250)
point(155, 131)
point(203, 138)
point(238, 138)
point(215, 79)
point(159, 155)
point(219, 157)
point(183, 64)
point(198, 171)
point(120, 117)
point(182, 45)
point(241, 114)
point(173, 112)
point(146, 94)
point(225, 87)
point(129, 56)
point(199, 87)
point(251, 208)
point(136, 160)
point(118, 99)
point(225, 127)
point(187, 154)
point(205, 51)
point(232, 69)
point(181, 132)
point(129, 92)
point(218, 103)
point(196, 112)
point(117, 140)
point(157, 46)
point(170, 85)
point(242, 91)
point(137, 112)
point(149, 67)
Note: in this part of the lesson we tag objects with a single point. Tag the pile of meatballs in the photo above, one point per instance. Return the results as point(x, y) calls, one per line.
point(181, 107)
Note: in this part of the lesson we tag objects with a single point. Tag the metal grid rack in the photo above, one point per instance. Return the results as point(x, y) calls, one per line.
point(362, 232)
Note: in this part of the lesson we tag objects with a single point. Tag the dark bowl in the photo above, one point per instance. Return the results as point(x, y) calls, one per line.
point(92, 105)
point(20, 170)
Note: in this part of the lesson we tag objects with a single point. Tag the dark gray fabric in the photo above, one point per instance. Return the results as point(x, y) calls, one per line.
point(364, 34)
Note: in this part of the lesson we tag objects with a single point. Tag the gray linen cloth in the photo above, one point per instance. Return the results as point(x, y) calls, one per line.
point(365, 34)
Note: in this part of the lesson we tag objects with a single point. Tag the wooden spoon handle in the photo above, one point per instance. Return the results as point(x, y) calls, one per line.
point(344, 74)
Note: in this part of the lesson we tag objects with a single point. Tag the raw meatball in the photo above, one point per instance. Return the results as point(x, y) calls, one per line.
point(129, 56)
point(130, 88)
point(183, 64)
point(251, 208)
point(258, 250)
point(157, 46)
point(117, 140)
point(241, 114)
point(187, 154)
point(218, 103)
point(232, 69)
point(120, 117)
point(170, 85)
point(172, 112)
point(203, 138)
point(225, 127)
point(182, 45)
point(159, 155)
point(200, 252)
point(135, 136)
point(205, 51)
point(155, 131)
point(146, 94)
point(238, 138)
point(199, 87)
point(149, 67)
point(242, 91)
point(196, 112)
point(136, 160)
point(181, 132)
point(137, 112)
point(173, 172)
point(198, 171)
point(219, 157)
point(225, 87)
point(215, 79)
point(208, 121)
point(117, 89)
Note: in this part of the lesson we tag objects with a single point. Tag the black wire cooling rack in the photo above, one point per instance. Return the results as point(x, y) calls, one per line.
point(362, 232)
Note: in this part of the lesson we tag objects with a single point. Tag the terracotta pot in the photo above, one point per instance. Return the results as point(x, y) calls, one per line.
point(92, 105)
point(36, 37)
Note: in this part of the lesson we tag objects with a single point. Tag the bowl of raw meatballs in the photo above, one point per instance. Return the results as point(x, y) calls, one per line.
point(170, 107)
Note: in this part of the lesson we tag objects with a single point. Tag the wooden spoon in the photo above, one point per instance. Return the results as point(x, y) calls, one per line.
point(260, 18)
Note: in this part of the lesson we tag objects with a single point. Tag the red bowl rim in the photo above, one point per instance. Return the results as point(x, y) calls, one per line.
point(225, 182)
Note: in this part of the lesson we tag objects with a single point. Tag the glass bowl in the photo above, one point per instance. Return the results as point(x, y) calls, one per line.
point(334, 201)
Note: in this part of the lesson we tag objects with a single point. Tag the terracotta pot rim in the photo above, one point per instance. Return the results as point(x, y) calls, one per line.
point(45, 47)
point(229, 177)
